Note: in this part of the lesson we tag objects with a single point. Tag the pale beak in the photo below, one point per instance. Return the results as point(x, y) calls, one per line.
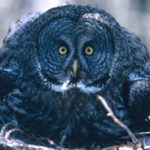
point(75, 68)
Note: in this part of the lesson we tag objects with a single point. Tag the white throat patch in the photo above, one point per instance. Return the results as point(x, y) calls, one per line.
point(66, 86)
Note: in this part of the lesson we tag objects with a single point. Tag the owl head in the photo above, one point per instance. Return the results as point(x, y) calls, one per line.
point(76, 47)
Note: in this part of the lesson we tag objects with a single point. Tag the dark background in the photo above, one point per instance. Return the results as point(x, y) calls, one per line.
point(132, 14)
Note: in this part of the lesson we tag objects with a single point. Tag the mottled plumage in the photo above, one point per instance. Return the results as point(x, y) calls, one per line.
point(52, 66)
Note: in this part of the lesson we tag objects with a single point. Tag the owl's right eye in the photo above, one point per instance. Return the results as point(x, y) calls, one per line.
point(62, 50)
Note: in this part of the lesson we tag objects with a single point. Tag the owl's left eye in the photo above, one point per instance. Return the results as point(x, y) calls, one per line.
point(62, 50)
point(89, 50)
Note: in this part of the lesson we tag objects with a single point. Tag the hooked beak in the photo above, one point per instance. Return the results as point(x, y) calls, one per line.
point(75, 68)
point(76, 72)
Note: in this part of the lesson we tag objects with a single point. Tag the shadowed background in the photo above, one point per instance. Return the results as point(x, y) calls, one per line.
point(132, 14)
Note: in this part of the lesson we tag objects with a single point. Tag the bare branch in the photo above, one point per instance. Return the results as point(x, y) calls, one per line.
point(117, 121)
point(17, 144)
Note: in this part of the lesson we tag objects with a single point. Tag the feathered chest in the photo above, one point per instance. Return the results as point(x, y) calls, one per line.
point(73, 114)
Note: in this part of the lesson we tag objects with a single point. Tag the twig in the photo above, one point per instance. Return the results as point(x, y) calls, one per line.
point(7, 135)
point(121, 147)
point(143, 133)
point(139, 134)
point(62, 140)
point(117, 121)
point(17, 144)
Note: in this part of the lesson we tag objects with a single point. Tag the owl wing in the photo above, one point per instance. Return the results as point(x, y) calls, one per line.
point(9, 71)
point(18, 27)
point(139, 97)
point(137, 85)
point(8, 75)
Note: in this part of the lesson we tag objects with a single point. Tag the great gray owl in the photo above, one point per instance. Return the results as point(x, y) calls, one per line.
point(53, 65)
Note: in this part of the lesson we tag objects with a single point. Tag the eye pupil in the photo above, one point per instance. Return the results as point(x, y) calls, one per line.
point(63, 49)
point(88, 50)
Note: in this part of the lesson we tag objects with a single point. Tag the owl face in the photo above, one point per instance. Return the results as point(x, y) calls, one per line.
point(75, 54)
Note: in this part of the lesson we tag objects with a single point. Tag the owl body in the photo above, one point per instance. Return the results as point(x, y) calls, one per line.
point(55, 64)
point(54, 115)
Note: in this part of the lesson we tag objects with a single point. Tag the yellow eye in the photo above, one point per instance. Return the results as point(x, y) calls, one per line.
point(89, 50)
point(62, 50)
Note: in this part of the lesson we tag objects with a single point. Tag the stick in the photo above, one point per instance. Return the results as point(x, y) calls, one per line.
point(117, 121)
